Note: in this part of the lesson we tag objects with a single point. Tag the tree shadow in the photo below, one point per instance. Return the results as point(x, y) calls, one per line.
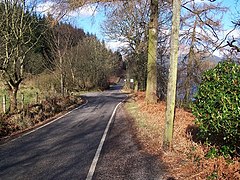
point(123, 156)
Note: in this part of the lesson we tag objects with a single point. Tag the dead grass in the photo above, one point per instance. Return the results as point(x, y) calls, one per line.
point(187, 159)
point(35, 115)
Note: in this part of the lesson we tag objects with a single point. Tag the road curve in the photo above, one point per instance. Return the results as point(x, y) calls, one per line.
point(64, 149)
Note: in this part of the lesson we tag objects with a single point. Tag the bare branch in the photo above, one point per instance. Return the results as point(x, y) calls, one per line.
point(235, 47)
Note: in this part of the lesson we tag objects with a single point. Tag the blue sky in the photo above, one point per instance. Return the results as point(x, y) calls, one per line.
point(92, 24)
point(90, 19)
point(229, 16)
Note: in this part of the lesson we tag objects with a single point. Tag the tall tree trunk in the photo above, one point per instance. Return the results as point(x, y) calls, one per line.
point(172, 79)
point(151, 90)
point(62, 82)
point(187, 84)
point(190, 61)
point(73, 75)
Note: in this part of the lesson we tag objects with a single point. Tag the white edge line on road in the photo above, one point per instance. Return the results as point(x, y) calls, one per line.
point(99, 149)
point(44, 125)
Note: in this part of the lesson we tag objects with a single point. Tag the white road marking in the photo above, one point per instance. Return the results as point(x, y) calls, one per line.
point(99, 149)
point(44, 125)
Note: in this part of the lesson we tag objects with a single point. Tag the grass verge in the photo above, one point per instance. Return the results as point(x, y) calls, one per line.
point(36, 114)
point(189, 159)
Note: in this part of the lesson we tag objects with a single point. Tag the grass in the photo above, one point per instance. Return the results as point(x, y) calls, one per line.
point(133, 109)
point(29, 90)
point(16, 122)
point(29, 93)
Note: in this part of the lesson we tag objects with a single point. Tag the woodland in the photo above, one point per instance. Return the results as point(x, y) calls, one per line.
point(43, 62)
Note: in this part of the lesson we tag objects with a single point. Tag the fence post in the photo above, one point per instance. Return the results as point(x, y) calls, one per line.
point(4, 104)
point(36, 97)
point(22, 100)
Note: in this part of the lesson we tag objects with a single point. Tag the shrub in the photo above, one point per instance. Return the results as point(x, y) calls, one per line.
point(217, 107)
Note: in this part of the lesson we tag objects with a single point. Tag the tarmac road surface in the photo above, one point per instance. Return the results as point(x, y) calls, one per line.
point(66, 148)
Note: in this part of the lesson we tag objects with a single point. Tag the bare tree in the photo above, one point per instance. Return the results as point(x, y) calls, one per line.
point(90, 64)
point(201, 24)
point(151, 90)
point(61, 38)
point(234, 43)
point(17, 40)
point(128, 23)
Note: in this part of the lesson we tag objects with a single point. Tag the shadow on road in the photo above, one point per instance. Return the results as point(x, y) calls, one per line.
point(122, 156)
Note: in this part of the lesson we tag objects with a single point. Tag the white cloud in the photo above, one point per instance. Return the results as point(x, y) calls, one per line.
point(202, 1)
point(85, 11)
point(115, 45)
point(45, 7)
point(199, 1)
point(235, 33)
point(53, 8)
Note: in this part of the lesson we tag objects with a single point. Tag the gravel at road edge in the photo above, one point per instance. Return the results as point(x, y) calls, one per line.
point(122, 157)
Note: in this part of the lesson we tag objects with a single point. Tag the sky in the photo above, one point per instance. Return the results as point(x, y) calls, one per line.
point(90, 18)
point(229, 16)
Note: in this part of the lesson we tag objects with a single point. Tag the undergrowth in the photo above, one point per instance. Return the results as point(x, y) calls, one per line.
point(189, 159)
point(34, 114)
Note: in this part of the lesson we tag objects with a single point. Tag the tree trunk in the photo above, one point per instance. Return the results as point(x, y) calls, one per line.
point(188, 84)
point(151, 90)
point(172, 79)
point(13, 98)
point(62, 82)
point(73, 75)
point(136, 86)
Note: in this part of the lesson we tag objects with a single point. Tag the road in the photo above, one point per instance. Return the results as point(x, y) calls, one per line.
point(66, 148)
point(63, 149)
point(123, 158)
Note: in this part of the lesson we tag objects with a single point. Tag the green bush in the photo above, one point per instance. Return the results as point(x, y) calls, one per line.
point(217, 107)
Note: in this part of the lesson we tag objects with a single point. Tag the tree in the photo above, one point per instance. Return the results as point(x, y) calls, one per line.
point(233, 42)
point(200, 26)
point(38, 58)
point(152, 41)
point(152, 53)
point(128, 23)
point(17, 40)
point(91, 64)
point(171, 91)
point(61, 38)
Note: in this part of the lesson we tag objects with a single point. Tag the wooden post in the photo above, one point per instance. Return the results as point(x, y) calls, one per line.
point(36, 97)
point(4, 104)
point(136, 86)
point(27, 110)
point(22, 101)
